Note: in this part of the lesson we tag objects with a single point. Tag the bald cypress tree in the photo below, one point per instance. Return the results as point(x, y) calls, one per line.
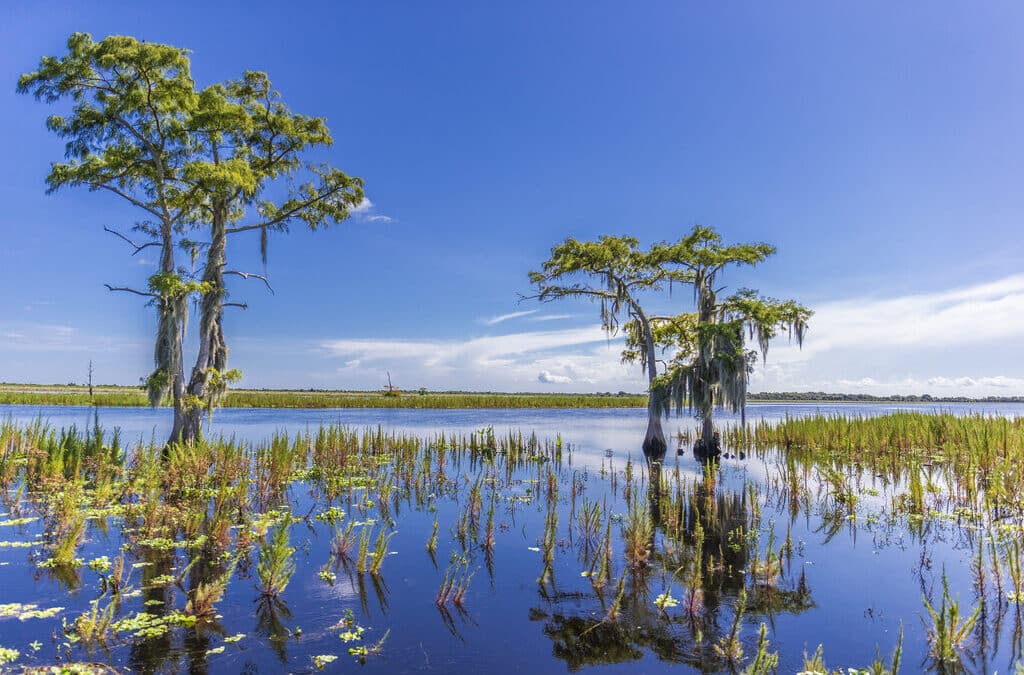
point(617, 274)
point(704, 358)
point(710, 359)
point(200, 166)
point(127, 134)
point(251, 145)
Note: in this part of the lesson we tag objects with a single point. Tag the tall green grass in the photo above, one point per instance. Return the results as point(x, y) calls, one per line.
point(252, 398)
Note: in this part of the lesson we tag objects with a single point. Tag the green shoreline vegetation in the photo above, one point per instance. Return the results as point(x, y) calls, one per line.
point(128, 397)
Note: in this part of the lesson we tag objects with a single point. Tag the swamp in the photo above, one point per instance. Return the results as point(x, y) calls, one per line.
point(824, 537)
point(442, 344)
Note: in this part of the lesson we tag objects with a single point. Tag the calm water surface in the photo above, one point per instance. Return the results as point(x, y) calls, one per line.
point(591, 431)
point(850, 583)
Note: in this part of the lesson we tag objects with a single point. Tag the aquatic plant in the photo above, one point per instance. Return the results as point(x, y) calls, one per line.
point(94, 626)
point(637, 535)
point(380, 551)
point(275, 568)
point(8, 655)
point(947, 633)
point(729, 646)
point(764, 662)
point(343, 541)
point(207, 594)
point(455, 583)
point(432, 541)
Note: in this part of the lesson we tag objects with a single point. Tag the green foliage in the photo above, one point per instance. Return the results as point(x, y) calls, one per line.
point(276, 567)
point(623, 271)
point(708, 360)
point(764, 661)
point(206, 160)
point(947, 633)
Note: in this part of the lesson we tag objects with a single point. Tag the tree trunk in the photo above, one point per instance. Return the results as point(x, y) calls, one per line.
point(708, 436)
point(178, 395)
point(707, 445)
point(170, 335)
point(213, 352)
point(654, 440)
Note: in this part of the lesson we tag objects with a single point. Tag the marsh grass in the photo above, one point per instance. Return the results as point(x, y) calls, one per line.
point(251, 398)
point(276, 566)
point(948, 631)
point(220, 500)
point(972, 459)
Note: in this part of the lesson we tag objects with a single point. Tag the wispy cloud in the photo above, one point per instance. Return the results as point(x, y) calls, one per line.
point(494, 320)
point(852, 346)
point(862, 341)
point(552, 317)
point(366, 211)
point(581, 356)
point(957, 317)
point(51, 352)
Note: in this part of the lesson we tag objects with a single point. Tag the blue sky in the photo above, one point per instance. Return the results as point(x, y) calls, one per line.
point(879, 147)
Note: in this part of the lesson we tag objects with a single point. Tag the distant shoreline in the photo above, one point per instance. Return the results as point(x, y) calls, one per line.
point(126, 396)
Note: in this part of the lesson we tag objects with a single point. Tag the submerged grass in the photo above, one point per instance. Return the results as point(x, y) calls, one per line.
point(195, 519)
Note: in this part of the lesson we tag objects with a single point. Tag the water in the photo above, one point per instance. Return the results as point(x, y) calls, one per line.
point(591, 430)
point(849, 584)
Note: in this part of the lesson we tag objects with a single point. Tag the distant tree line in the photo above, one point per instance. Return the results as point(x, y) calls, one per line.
point(867, 398)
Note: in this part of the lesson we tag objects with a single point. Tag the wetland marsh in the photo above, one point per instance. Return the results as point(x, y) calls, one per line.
point(418, 541)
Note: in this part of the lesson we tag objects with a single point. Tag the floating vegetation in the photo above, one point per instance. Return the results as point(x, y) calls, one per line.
point(164, 559)
point(25, 612)
point(8, 655)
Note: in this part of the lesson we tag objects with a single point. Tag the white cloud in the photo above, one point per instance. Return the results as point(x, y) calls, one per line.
point(962, 316)
point(552, 317)
point(547, 377)
point(505, 317)
point(911, 343)
point(26, 336)
point(578, 356)
point(860, 345)
point(365, 211)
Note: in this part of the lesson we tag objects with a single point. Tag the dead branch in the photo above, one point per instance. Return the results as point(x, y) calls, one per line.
point(125, 289)
point(247, 275)
point(137, 247)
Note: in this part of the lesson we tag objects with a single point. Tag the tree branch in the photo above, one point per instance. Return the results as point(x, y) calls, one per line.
point(250, 275)
point(130, 199)
point(125, 289)
point(240, 305)
point(289, 214)
point(137, 247)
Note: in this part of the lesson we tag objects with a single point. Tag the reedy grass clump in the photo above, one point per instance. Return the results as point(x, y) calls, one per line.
point(276, 566)
point(972, 458)
point(947, 633)
point(207, 594)
point(455, 582)
point(637, 536)
point(815, 663)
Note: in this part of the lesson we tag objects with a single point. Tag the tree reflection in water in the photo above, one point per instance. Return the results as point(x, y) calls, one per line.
point(705, 544)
